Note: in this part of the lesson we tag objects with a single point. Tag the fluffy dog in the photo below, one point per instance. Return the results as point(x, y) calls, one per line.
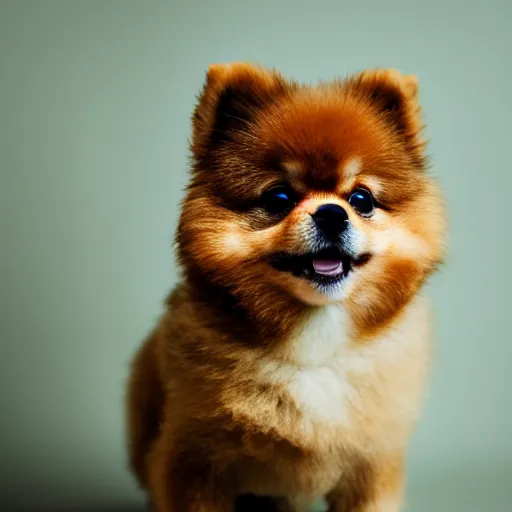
point(292, 357)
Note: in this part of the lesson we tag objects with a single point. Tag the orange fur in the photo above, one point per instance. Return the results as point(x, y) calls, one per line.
point(254, 385)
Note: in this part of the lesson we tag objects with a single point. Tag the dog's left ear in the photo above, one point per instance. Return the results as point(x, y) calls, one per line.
point(395, 97)
point(232, 95)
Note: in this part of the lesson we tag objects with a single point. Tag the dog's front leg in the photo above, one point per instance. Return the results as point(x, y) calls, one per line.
point(183, 479)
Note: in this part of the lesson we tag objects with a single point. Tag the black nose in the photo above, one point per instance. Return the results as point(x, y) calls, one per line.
point(331, 219)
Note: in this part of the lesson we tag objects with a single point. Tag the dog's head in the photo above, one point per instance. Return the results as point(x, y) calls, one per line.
point(320, 192)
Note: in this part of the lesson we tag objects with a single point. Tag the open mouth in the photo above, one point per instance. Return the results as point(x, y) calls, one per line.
point(325, 267)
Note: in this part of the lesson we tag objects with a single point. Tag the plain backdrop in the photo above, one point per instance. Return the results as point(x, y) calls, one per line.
point(95, 104)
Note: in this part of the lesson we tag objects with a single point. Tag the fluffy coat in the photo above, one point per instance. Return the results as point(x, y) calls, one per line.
point(257, 384)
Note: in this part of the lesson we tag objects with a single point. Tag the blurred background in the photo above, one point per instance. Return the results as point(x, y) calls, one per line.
point(95, 102)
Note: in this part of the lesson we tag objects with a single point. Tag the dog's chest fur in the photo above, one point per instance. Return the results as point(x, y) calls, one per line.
point(334, 380)
point(349, 397)
point(316, 378)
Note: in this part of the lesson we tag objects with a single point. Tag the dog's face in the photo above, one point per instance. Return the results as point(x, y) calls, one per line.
point(320, 192)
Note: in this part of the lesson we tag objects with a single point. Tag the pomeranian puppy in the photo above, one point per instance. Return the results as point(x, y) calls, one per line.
point(291, 360)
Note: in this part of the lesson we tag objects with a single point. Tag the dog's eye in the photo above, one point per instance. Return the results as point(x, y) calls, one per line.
point(278, 200)
point(362, 201)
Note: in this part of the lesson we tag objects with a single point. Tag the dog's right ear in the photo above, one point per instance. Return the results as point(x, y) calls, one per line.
point(231, 96)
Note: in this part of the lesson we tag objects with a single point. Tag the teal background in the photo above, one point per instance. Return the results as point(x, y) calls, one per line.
point(95, 99)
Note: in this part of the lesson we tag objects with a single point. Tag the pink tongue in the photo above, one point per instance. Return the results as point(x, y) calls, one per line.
point(328, 267)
